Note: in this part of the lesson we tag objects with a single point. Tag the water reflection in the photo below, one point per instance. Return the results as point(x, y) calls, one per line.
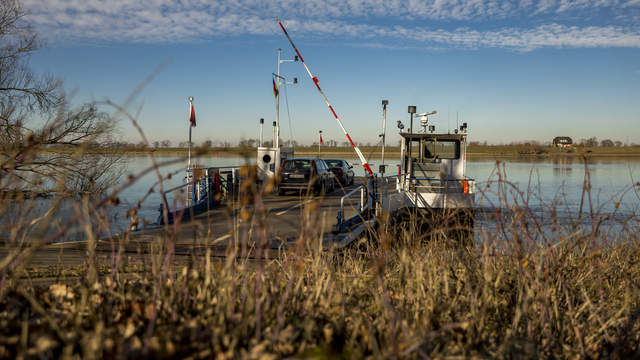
point(562, 165)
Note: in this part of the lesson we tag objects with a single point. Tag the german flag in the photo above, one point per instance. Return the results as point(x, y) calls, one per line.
point(192, 115)
point(275, 88)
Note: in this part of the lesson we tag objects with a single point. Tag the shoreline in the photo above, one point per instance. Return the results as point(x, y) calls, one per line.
point(500, 154)
point(473, 151)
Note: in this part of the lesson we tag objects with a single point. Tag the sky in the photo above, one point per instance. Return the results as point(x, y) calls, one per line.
point(513, 70)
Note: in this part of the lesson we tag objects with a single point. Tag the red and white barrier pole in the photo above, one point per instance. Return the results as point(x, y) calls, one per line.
point(315, 81)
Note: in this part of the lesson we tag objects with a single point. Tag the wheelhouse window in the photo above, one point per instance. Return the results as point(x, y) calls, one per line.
point(426, 150)
point(442, 149)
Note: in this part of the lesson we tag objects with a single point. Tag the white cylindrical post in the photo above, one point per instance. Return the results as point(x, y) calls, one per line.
point(261, 125)
point(275, 134)
point(189, 175)
point(189, 156)
point(384, 131)
point(411, 110)
point(276, 141)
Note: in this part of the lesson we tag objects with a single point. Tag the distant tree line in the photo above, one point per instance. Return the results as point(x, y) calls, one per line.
point(243, 143)
point(585, 142)
point(593, 142)
point(252, 143)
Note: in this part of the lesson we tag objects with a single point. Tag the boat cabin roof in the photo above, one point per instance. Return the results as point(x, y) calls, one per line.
point(431, 136)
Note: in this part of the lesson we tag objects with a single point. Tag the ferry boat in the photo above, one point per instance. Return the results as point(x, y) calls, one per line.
point(432, 181)
point(430, 190)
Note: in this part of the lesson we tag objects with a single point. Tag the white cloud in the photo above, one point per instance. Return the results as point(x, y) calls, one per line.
point(159, 21)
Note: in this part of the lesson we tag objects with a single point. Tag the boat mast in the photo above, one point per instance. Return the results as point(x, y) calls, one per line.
point(281, 81)
point(276, 141)
point(365, 164)
point(190, 126)
point(384, 132)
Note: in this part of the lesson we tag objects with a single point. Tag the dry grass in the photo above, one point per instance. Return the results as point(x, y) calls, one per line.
point(577, 296)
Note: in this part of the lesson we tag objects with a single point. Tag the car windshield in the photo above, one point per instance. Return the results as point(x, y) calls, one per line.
point(334, 163)
point(297, 164)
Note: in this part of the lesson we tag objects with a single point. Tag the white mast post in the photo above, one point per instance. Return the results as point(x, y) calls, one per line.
point(189, 159)
point(261, 125)
point(190, 177)
point(384, 132)
point(276, 143)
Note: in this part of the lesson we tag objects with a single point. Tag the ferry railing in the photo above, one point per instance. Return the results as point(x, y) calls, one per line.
point(342, 222)
point(384, 186)
point(201, 192)
point(436, 185)
point(361, 188)
point(363, 208)
point(444, 188)
point(202, 183)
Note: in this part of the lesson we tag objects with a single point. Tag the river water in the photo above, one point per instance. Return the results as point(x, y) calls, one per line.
point(540, 182)
point(544, 181)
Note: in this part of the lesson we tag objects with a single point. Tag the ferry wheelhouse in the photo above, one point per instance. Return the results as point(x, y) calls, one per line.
point(432, 174)
point(433, 171)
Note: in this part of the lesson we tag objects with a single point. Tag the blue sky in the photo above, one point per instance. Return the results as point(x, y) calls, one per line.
point(513, 70)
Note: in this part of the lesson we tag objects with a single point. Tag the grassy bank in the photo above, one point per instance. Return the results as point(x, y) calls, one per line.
point(549, 151)
point(415, 300)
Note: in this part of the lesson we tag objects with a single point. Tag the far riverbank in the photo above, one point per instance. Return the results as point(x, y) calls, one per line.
point(482, 151)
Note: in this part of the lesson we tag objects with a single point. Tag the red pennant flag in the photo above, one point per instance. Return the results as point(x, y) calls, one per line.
point(320, 138)
point(192, 115)
point(275, 88)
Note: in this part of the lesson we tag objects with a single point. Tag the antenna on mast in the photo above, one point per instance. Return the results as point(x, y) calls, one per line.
point(424, 119)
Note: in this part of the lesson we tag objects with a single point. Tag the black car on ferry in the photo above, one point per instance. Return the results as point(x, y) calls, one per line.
point(342, 170)
point(301, 174)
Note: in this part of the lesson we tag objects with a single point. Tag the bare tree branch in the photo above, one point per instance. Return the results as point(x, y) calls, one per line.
point(68, 145)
